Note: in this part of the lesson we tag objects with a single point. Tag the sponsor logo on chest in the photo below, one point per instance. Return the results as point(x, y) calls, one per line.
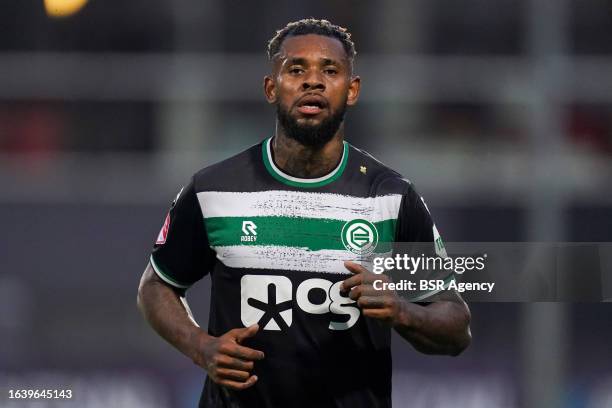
point(270, 300)
point(249, 231)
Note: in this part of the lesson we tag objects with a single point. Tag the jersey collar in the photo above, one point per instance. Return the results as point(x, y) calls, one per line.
point(285, 178)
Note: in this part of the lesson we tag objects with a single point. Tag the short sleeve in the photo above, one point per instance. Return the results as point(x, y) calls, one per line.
point(416, 235)
point(181, 254)
point(415, 224)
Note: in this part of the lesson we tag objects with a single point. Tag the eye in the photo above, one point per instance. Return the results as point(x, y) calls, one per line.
point(330, 71)
point(296, 70)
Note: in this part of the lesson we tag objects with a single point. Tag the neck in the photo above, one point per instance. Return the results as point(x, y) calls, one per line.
point(303, 161)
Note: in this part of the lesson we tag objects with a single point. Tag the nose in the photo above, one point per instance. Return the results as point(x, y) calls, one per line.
point(313, 81)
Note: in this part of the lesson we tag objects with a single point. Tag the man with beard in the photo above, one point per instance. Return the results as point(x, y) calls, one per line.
point(285, 230)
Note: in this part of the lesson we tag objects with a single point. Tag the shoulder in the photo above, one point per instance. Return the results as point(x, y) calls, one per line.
point(385, 179)
point(230, 171)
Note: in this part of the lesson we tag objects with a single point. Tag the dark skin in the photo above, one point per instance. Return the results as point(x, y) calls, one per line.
point(310, 65)
point(227, 362)
point(314, 66)
point(440, 326)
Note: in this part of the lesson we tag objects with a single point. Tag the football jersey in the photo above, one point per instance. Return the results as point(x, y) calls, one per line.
point(274, 246)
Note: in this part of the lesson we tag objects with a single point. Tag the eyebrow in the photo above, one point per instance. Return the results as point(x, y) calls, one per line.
point(329, 61)
point(302, 61)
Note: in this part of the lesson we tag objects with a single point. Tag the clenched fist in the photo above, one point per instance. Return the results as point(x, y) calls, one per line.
point(379, 304)
point(227, 362)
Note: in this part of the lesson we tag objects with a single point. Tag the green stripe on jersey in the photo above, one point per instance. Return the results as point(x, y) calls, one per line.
point(313, 234)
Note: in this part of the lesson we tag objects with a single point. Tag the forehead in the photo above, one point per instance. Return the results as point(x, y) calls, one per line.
point(312, 46)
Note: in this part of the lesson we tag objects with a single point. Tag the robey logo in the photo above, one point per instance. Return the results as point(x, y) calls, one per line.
point(249, 231)
point(268, 300)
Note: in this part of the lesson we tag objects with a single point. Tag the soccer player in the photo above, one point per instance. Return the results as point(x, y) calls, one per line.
point(283, 229)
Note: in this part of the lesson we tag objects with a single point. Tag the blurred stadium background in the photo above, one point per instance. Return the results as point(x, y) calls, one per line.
point(499, 111)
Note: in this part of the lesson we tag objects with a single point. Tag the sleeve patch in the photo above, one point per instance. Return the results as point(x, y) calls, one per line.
point(163, 233)
point(439, 244)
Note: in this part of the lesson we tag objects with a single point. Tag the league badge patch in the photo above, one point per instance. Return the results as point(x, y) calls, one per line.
point(163, 233)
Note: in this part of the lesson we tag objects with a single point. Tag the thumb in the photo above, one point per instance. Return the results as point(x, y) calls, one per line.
point(354, 267)
point(246, 332)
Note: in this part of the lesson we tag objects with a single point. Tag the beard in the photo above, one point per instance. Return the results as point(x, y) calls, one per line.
point(314, 136)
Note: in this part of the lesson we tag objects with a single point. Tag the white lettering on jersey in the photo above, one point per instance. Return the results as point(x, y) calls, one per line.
point(248, 229)
point(267, 300)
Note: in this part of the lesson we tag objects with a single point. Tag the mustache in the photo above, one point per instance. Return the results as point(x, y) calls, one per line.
point(313, 98)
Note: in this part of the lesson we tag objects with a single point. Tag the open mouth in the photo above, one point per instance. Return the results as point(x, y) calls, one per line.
point(311, 105)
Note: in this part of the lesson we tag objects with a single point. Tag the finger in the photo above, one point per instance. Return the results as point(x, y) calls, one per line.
point(382, 314)
point(351, 282)
point(235, 385)
point(363, 290)
point(235, 363)
point(359, 270)
point(366, 278)
point(356, 292)
point(235, 375)
point(372, 302)
point(241, 352)
point(354, 267)
point(245, 333)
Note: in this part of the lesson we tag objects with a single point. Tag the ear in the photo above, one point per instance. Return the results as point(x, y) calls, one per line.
point(269, 89)
point(353, 92)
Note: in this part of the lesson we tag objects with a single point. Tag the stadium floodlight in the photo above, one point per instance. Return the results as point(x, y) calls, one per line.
point(63, 8)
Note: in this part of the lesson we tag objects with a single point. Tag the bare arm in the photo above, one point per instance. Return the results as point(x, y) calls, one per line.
point(439, 327)
point(226, 361)
point(162, 307)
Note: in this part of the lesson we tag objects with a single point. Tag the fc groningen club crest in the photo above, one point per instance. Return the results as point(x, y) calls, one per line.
point(359, 236)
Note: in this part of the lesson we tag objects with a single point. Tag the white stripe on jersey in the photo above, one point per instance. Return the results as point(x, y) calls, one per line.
point(299, 204)
point(288, 258)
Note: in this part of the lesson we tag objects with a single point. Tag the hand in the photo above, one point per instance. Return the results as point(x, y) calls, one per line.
point(227, 362)
point(379, 304)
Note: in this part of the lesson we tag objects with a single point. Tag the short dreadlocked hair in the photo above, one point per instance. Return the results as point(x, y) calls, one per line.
point(312, 26)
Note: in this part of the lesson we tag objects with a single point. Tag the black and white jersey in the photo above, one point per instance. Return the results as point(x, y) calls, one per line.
point(274, 246)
